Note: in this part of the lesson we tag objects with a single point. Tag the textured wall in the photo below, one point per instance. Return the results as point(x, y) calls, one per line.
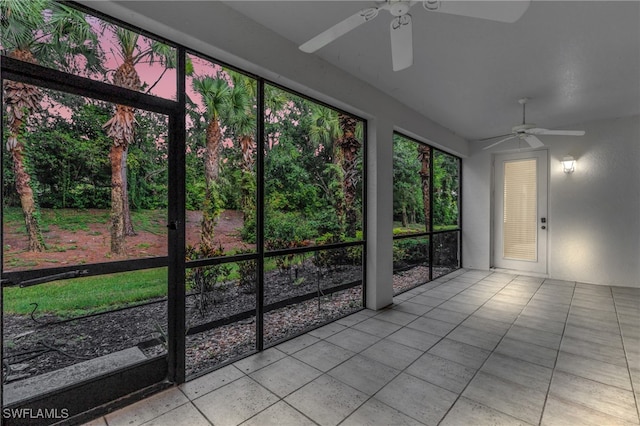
point(594, 213)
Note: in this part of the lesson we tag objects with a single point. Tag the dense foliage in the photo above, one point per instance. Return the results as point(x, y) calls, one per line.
point(313, 164)
point(408, 204)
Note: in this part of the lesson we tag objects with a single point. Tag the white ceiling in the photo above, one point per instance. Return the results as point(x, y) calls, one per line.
point(576, 60)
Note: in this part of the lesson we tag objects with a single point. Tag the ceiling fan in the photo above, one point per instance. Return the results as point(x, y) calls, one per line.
point(401, 29)
point(528, 131)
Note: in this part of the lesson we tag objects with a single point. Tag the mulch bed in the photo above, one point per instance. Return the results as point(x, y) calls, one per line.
point(33, 347)
point(36, 346)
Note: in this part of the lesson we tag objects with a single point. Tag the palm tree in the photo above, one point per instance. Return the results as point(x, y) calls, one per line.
point(349, 145)
point(342, 131)
point(325, 130)
point(47, 33)
point(243, 120)
point(121, 126)
point(216, 95)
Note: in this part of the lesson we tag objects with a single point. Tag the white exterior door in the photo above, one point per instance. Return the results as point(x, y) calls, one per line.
point(520, 222)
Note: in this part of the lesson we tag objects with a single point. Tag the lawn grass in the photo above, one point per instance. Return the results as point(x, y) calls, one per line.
point(81, 296)
point(153, 221)
point(411, 228)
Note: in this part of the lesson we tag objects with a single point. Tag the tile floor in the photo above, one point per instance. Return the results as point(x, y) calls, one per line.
point(473, 347)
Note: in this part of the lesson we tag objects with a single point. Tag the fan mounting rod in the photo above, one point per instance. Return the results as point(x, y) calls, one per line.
point(523, 102)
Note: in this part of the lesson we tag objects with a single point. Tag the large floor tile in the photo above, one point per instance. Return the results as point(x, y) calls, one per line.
point(536, 337)
point(377, 327)
point(414, 338)
point(458, 306)
point(468, 412)
point(396, 317)
point(585, 348)
point(353, 319)
point(412, 308)
point(285, 376)
point(518, 371)
point(602, 337)
point(323, 355)
point(374, 412)
point(442, 372)
point(327, 330)
point(279, 414)
point(507, 397)
point(485, 324)
point(364, 374)
point(353, 340)
point(186, 414)
point(528, 352)
point(446, 315)
point(432, 326)
point(467, 355)
point(474, 337)
point(326, 400)
point(416, 398)
point(259, 360)
point(556, 327)
point(209, 382)
point(597, 396)
point(558, 411)
point(427, 300)
point(603, 372)
point(392, 354)
point(148, 409)
point(496, 314)
point(298, 343)
point(236, 402)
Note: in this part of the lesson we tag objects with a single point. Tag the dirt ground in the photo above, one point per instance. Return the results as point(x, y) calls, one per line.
point(93, 245)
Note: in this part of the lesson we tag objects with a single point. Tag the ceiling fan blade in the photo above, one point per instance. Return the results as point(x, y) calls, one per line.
point(533, 141)
point(493, 137)
point(537, 131)
point(500, 141)
point(502, 11)
point(401, 42)
point(341, 28)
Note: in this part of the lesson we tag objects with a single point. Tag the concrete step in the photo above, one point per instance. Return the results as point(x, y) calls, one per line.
point(36, 385)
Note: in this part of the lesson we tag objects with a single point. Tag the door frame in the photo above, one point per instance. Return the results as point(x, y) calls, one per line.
point(543, 212)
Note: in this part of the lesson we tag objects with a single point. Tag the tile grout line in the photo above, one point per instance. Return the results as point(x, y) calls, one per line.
point(555, 362)
point(624, 348)
point(492, 352)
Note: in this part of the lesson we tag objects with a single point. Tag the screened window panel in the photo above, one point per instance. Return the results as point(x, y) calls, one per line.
point(520, 210)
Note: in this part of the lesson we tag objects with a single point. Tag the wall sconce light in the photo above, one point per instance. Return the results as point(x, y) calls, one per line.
point(568, 164)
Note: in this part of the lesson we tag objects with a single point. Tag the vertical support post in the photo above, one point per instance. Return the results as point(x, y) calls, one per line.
point(260, 215)
point(176, 311)
point(379, 243)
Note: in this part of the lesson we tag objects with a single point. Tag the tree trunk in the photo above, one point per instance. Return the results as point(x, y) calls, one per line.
point(21, 100)
point(117, 205)
point(405, 220)
point(27, 201)
point(121, 128)
point(247, 145)
point(211, 172)
point(425, 172)
point(349, 146)
point(128, 224)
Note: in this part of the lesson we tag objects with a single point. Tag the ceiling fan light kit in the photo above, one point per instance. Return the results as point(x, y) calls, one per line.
point(401, 24)
point(528, 131)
